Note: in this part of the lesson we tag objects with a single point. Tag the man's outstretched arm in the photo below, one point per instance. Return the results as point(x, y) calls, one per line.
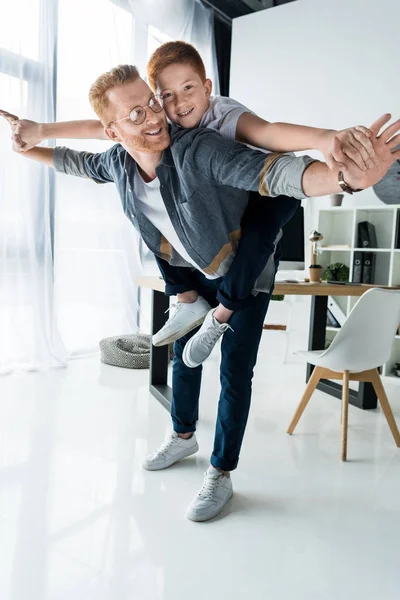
point(42, 155)
point(317, 178)
point(96, 166)
point(279, 174)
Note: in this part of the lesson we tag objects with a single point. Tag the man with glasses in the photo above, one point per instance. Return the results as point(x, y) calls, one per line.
point(186, 195)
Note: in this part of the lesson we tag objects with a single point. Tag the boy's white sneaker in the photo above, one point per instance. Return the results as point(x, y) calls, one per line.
point(186, 317)
point(200, 346)
point(174, 448)
point(216, 492)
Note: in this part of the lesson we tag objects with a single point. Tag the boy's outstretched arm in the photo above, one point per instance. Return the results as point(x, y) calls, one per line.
point(285, 137)
point(278, 174)
point(27, 134)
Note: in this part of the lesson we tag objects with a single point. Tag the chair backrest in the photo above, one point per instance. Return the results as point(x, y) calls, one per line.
point(366, 337)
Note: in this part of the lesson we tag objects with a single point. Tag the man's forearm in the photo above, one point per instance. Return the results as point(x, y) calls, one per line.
point(43, 155)
point(319, 180)
point(88, 129)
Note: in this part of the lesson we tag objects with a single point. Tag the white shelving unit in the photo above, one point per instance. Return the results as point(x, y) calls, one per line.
point(339, 226)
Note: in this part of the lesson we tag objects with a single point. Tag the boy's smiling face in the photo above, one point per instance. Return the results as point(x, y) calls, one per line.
point(186, 97)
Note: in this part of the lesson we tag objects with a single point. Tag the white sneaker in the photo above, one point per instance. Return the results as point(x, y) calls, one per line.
point(173, 449)
point(214, 495)
point(200, 346)
point(186, 317)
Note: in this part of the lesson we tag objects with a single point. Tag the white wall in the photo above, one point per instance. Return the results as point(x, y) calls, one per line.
point(327, 63)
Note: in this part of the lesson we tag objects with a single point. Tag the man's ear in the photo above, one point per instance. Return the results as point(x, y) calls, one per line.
point(111, 134)
point(208, 87)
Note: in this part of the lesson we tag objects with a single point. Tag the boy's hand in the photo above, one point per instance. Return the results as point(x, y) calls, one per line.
point(24, 134)
point(356, 148)
point(385, 154)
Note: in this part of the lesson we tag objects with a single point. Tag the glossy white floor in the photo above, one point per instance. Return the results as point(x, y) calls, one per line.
point(80, 519)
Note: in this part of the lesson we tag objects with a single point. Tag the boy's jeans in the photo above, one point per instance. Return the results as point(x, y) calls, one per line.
point(263, 219)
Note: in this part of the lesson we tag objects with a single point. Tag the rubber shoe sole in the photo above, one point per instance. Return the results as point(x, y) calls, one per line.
point(177, 335)
point(185, 356)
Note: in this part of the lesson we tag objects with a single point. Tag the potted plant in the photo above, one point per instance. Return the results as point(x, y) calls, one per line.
point(336, 272)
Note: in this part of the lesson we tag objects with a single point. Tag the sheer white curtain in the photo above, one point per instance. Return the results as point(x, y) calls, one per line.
point(68, 255)
point(97, 257)
point(187, 20)
point(28, 332)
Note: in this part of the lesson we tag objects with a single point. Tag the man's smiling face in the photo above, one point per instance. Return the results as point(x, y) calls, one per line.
point(152, 135)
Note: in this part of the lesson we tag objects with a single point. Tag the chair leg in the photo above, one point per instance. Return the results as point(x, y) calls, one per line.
point(312, 384)
point(345, 413)
point(386, 408)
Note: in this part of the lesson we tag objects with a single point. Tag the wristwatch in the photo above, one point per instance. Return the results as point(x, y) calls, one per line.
point(345, 187)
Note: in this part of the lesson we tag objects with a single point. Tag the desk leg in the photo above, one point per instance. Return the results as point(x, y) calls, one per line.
point(365, 398)
point(159, 356)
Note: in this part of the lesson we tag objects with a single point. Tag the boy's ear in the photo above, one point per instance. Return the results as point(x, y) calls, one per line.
point(208, 87)
point(111, 134)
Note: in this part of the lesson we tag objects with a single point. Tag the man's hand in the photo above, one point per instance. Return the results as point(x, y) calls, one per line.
point(355, 144)
point(385, 154)
point(24, 134)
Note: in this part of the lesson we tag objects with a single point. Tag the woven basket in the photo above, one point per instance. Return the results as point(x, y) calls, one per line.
point(128, 351)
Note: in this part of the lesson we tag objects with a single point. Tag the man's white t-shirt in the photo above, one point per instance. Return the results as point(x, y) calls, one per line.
point(222, 116)
point(153, 207)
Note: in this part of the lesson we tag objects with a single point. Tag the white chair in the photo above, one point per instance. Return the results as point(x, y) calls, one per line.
point(363, 344)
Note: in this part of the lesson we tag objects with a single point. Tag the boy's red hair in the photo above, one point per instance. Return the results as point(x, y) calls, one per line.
point(173, 53)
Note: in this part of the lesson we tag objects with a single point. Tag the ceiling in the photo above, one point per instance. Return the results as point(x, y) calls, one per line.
point(238, 8)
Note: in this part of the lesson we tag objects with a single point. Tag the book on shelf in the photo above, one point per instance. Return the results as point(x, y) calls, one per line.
point(367, 235)
point(358, 267)
point(397, 241)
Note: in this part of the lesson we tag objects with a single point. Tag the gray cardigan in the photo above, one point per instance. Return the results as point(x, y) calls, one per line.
point(204, 179)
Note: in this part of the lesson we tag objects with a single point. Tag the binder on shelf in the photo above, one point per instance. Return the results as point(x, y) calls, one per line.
point(336, 311)
point(367, 235)
point(358, 267)
point(331, 321)
point(397, 241)
point(368, 267)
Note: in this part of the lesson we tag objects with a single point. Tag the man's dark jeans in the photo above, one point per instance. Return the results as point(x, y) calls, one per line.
point(239, 354)
point(263, 219)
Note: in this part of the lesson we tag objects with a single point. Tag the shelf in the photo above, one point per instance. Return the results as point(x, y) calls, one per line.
point(329, 328)
point(348, 249)
point(336, 249)
point(372, 250)
point(368, 208)
point(340, 228)
point(393, 378)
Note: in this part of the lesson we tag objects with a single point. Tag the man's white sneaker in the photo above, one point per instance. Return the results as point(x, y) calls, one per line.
point(173, 449)
point(200, 346)
point(212, 498)
point(186, 317)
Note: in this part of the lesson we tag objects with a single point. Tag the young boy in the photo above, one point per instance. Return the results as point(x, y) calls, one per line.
point(176, 72)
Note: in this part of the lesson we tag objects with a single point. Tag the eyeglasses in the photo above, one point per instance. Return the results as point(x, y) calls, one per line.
point(138, 114)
